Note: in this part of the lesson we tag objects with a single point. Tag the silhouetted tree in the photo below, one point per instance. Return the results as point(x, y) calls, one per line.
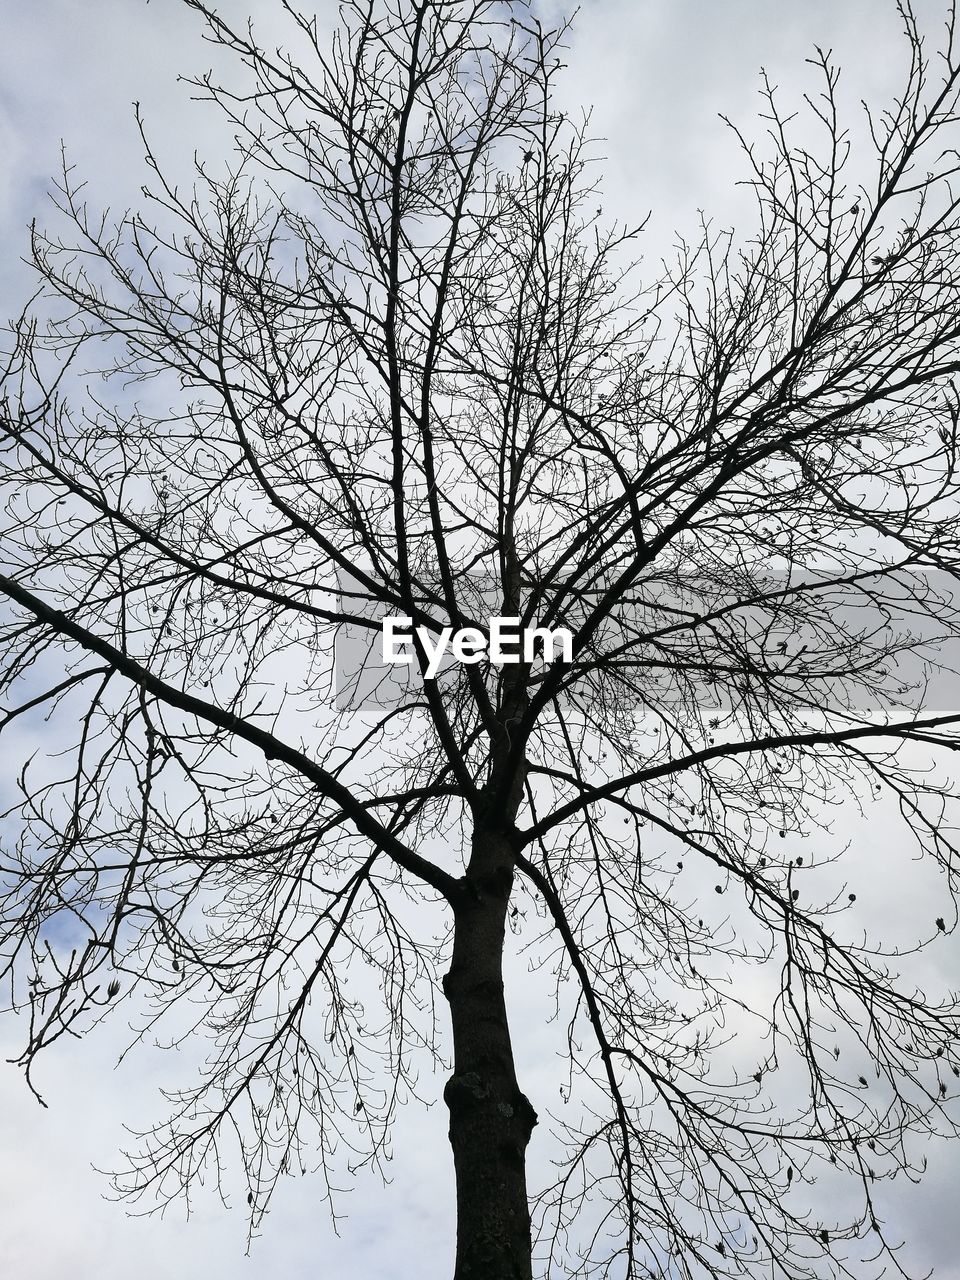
point(391, 360)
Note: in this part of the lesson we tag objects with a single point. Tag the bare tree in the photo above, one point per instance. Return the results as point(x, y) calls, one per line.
point(391, 360)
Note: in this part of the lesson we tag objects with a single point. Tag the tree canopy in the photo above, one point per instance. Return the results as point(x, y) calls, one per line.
point(391, 359)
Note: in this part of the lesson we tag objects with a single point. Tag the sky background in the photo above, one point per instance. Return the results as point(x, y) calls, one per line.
point(656, 74)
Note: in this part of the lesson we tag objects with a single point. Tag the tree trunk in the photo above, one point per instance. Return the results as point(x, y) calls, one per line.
point(490, 1119)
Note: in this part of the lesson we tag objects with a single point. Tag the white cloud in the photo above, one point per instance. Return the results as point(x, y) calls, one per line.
point(656, 72)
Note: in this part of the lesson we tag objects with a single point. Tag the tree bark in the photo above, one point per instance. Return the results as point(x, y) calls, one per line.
point(490, 1119)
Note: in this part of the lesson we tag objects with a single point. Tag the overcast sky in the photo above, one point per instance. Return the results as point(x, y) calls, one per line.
point(657, 73)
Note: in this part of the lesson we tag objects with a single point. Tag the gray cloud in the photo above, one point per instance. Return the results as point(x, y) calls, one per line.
point(656, 73)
